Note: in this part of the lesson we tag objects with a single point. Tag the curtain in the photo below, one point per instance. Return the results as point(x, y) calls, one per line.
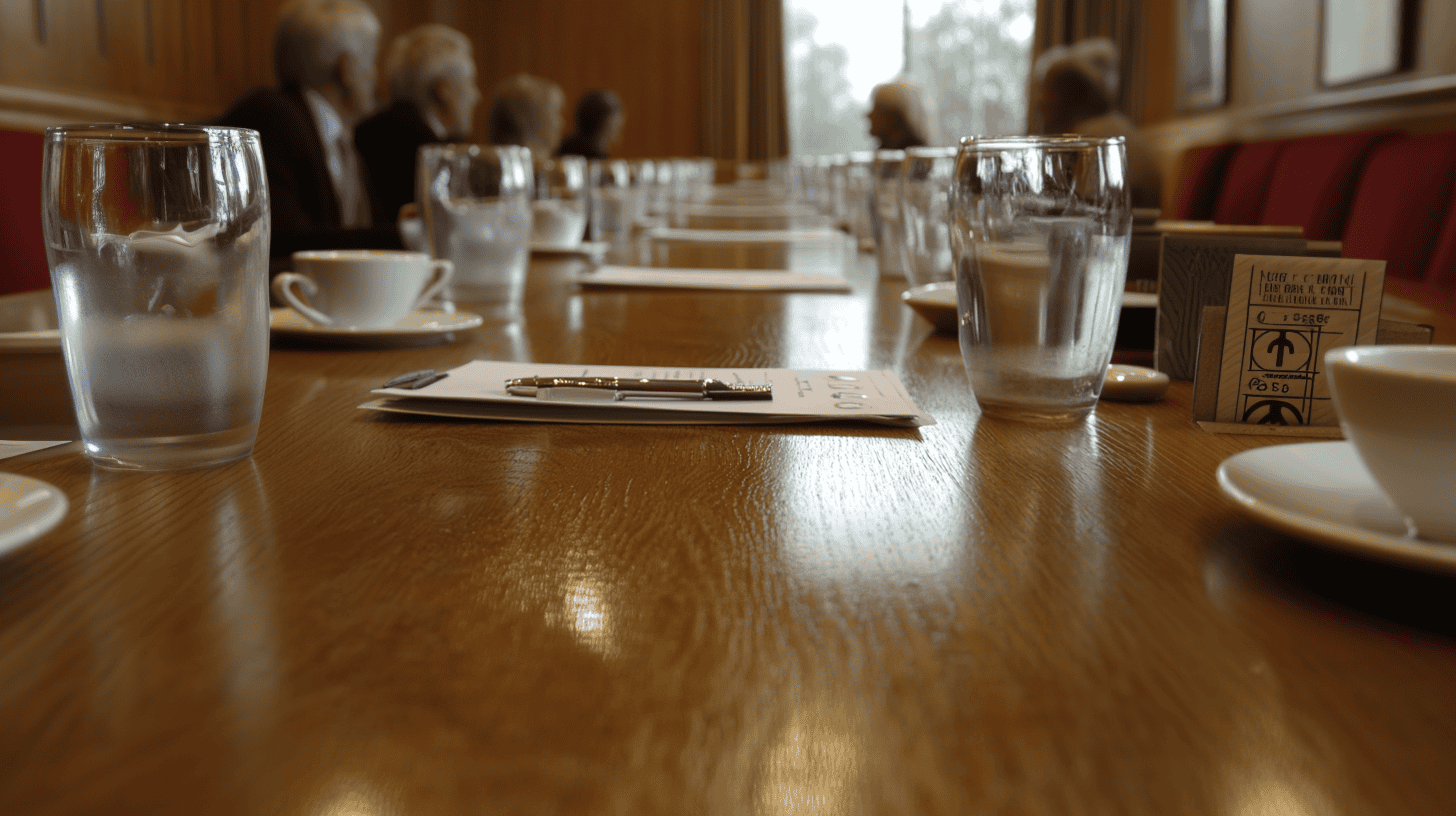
point(1064, 22)
point(745, 117)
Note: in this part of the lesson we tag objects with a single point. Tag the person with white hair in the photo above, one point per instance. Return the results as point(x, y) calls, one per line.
point(324, 56)
point(899, 116)
point(431, 75)
point(527, 112)
point(1077, 88)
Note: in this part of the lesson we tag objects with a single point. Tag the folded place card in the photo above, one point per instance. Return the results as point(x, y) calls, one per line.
point(761, 280)
point(1283, 315)
point(10, 448)
point(477, 390)
point(1193, 272)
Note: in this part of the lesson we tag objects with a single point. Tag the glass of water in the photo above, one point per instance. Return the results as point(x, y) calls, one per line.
point(558, 210)
point(885, 213)
point(610, 183)
point(476, 201)
point(1041, 226)
point(925, 213)
point(157, 238)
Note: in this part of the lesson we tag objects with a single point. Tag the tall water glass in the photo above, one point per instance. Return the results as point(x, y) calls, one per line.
point(859, 197)
point(477, 207)
point(925, 179)
point(610, 183)
point(885, 214)
point(1041, 226)
point(558, 208)
point(157, 237)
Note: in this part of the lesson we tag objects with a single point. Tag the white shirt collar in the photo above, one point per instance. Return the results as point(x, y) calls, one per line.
point(436, 126)
point(325, 117)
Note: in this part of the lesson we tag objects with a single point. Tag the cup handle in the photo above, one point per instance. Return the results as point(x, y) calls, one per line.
point(283, 289)
point(443, 271)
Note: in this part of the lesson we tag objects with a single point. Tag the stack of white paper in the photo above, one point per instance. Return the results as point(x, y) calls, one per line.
point(756, 236)
point(477, 390)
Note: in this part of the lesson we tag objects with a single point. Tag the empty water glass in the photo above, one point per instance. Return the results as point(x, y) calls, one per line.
point(157, 237)
point(925, 178)
point(477, 207)
point(859, 185)
point(885, 215)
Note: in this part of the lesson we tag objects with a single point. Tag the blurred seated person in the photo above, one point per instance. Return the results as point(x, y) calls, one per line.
point(324, 54)
point(899, 117)
point(1078, 88)
point(599, 121)
point(527, 112)
point(431, 74)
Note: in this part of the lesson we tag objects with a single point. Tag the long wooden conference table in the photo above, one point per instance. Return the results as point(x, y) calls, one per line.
point(383, 614)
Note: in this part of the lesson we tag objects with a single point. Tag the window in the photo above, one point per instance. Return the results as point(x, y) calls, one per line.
point(971, 58)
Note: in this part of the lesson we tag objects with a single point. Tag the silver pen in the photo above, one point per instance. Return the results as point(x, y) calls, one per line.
point(620, 388)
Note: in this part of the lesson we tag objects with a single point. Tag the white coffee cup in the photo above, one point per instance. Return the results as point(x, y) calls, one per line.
point(1397, 405)
point(360, 288)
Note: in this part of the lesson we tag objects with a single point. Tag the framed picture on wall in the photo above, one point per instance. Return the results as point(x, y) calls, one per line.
point(1202, 55)
point(1364, 39)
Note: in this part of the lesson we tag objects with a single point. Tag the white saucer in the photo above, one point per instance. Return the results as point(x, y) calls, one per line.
point(423, 323)
point(29, 509)
point(936, 302)
point(589, 248)
point(1322, 491)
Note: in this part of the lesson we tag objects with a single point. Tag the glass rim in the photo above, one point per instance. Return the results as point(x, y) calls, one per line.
point(143, 132)
point(930, 152)
point(473, 149)
point(1055, 141)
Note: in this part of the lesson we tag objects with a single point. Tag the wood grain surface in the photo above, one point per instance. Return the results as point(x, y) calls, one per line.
point(391, 615)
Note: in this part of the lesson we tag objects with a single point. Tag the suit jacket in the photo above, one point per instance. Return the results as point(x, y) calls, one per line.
point(301, 195)
point(388, 143)
point(575, 144)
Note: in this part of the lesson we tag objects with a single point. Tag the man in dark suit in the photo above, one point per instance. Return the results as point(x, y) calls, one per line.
point(324, 55)
point(433, 95)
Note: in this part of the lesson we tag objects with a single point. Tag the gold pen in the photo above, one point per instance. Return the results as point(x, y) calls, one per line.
point(620, 388)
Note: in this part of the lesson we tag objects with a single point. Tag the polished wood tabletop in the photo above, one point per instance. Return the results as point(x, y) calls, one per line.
point(380, 614)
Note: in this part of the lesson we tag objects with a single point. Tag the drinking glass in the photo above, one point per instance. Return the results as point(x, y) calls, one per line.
point(859, 194)
point(157, 238)
point(477, 207)
point(1041, 226)
point(925, 213)
point(611, 200)
point(558, 211)
point(885, 214)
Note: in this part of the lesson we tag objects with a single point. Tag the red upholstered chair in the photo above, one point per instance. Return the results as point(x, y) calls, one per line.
point(1246, 183)
point(1314, 181)
point(1199, 180)
point(1403, 199)
point(23, 264)
point(1440, 278)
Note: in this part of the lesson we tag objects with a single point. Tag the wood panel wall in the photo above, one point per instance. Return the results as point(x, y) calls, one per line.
point(647, 51)
point(186, 60)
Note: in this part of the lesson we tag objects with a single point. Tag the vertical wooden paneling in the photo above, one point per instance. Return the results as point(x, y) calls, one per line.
point(188, 59)
point(647, 51)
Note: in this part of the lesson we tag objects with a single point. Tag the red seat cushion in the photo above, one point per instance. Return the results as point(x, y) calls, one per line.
point(1198, 183)
point(1403, 197)
point(23, 266)
point(1246, 183)
point(1441, 274)
point(1314, 181)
